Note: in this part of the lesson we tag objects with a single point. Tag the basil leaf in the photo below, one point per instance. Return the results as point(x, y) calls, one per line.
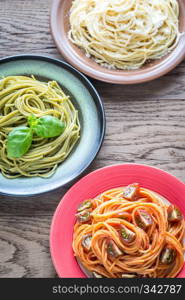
point(48, 127)
point(19, 141)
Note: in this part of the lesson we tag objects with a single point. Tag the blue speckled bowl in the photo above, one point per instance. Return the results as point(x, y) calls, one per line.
point(91, 113)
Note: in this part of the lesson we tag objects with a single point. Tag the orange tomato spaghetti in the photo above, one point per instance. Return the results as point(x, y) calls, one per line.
point(129, 232)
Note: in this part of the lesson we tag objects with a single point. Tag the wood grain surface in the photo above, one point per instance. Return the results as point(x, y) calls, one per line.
point(145, 124)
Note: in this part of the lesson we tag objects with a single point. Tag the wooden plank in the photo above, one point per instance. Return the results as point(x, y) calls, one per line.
point(24, 247)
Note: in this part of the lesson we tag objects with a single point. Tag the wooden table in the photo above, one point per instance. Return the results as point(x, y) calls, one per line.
point(145, 124)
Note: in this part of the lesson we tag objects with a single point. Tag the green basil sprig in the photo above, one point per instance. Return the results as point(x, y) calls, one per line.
point(20, 138)
point(19, 141)
point(47, 126)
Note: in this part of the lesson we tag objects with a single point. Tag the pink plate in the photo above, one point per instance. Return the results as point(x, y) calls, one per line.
point(90, 186)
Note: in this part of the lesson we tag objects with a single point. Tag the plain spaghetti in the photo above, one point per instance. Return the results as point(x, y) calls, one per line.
point(121, 34)
point(129, 232)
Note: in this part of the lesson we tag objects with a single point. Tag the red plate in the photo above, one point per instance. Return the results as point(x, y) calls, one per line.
point(90, 186)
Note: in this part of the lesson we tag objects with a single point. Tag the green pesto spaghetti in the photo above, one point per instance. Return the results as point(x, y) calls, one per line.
point(22, 98)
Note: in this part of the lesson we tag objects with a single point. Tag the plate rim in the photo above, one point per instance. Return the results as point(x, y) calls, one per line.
point(167, 64)
point(97, 100)
point(60, 205)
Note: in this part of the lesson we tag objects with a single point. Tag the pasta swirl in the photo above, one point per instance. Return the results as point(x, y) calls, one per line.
point(22, 96)
point(151, 240)
point(122, 34)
